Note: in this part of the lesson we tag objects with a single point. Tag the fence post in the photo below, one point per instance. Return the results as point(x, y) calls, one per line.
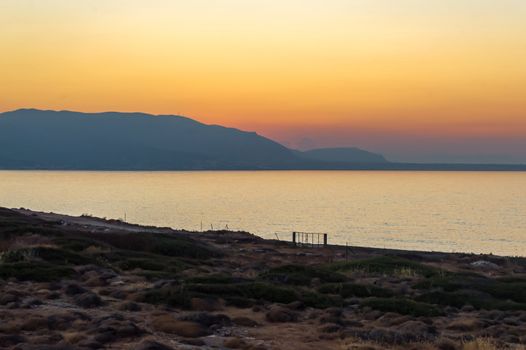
point(324, 239)
point(294, 238)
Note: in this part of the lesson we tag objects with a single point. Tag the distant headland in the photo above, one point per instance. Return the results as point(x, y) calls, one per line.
point(32, 139)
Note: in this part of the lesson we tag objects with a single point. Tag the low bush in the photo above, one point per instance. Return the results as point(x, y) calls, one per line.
point(387, 265)
point(34, 271)
point(250, 290)
point(216, 279)
point(402, 306)
point(347, 290)
point(301, 275)
point(512, 289)
point(477, 299)
point(156, 243)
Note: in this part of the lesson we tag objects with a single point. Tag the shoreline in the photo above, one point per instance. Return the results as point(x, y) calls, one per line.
point(85, 282)
point(104, 223)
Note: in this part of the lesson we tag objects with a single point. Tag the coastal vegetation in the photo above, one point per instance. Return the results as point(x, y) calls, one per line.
point(193, 285)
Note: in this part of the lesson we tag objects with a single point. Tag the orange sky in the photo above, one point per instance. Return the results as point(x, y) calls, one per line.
point(370, 73)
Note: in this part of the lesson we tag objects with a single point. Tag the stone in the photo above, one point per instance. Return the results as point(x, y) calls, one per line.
point(245, 322)
point(152, 345)
point(74, 289)
point(88, 300)
point(204, 304)
point(484, 265)
point(235, 343)
point(7, 341)
point(169, 324)
point(207, 319)
point(281, 314)
point(130, 306)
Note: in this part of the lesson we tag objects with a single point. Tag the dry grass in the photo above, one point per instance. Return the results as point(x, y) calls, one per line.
point(405, 272)
point(480, 344)
point(28, 241)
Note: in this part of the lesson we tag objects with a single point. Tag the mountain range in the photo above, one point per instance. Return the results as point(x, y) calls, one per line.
point(64, 140)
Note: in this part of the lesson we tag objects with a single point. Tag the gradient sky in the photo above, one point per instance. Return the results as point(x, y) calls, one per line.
point(433, 80)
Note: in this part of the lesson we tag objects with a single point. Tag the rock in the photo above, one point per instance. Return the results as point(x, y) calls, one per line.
point(416, 331)
point(465, 325)
point(11, 340)
point(330, 319)
point(62, 321)
point(511, 321)
point(128, 329)
point(31, 302)
point(245, 322)
point(381, 335)
point(169, 324)
point(7, 298)
point(353, 323)
point(373, 315)
point(281, 314)
point(90, 344)
point(510, 338)
point(235, 343)
point(330, 328)
point(204, 304)
point(45, 347)
point(33, 323)
point(96, 282)
point(207, 320)
point(163, 283)
point(446, 344)
point(467, 308)
point(105, 337)
point(484, 265)
point(88, 300)
point(296, 305)
point(74, 289)
point(119, 294)
point(53, 296)
point(334, 311)
point(152, 345)
point(193, 342)
point(130, 306)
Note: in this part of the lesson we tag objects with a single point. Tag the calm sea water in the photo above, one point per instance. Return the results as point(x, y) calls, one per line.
point(440, 211)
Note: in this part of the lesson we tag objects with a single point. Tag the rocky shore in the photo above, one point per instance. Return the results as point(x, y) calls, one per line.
point(89, 283)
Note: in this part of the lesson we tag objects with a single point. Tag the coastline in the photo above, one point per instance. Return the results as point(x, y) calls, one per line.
point(232, 289)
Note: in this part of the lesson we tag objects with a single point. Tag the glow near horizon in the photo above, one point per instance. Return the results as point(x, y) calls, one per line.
point(442, 75)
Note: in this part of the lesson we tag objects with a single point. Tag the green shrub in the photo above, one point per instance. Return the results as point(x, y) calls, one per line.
point(347, 290)
point(61, 256)
point(478, 300)
point(402, 306)
point(33, 271)
point(172, 296)
point(384, 265)
point(216, 279)
point(301, 275)
point(320, 301)
point(513, 289)
point(78, 244)
point(51, 255)
point(144, 264)
point(156, 243)
point(250, 290)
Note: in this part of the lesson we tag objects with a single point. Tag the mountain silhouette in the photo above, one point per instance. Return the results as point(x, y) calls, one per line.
point(63, 140)
point(32, 138)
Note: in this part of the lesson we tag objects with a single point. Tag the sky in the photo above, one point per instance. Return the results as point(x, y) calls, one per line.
point(434, 80)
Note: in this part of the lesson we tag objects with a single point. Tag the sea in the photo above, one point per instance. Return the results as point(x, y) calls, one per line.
point(472, 212)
